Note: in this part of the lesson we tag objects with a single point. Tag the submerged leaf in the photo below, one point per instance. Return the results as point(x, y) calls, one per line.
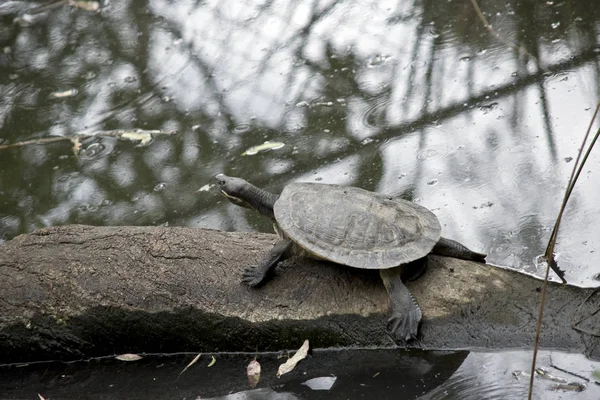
point(66, 93)
point(290, 364)
point(128, 357)
point(213, 361)
point(253, 372)
point(204, 188)
point(266, 146)
point(190, 364)
point(143, 137)
point(76, 145)
point(87, 5)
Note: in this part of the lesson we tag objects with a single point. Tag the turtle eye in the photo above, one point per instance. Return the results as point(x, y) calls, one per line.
point(220, 179)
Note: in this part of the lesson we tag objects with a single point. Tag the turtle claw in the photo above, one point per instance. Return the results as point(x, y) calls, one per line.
point(253, 277)
point(404, 327)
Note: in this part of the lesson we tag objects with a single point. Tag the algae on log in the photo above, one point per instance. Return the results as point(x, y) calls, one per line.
point(77, 291)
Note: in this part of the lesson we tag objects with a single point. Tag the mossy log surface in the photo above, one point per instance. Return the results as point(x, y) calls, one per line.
point(79, 291)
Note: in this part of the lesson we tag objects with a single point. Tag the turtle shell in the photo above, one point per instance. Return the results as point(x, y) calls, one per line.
point(355, 227)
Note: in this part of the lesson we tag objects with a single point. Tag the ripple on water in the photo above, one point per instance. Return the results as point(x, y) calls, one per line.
point(372, 116)
point(96, 148)
point(433, 152)
point(241, 128)
point(471, 388)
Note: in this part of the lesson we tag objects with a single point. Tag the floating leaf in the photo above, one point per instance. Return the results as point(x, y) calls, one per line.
point(190, 364)
point(143, 137)
point(266, 146)
point(253, 372)
point(204, 188)
point(128, 357)
point(212, 362)
point(87, 5)
point(321, 383)
point(290, 364)
point(76, 145)
point(66, 93)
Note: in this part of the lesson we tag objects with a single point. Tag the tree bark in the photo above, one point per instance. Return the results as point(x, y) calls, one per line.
point(78, 291)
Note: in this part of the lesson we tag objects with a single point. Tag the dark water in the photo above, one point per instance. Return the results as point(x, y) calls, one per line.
point(412, 98)
point(345, 374)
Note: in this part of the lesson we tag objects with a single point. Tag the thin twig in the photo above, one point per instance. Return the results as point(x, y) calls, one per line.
point(574, 175)
point(550, 249)
point(114, 133)
point(538, 329)
point(569, 372)
point(491, 30)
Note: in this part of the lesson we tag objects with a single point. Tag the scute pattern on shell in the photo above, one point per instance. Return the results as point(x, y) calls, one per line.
point(355, 227)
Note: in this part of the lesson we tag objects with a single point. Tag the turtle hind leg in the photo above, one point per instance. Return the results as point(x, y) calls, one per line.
point(452, 248)
point(256, 275)
point(406, 313)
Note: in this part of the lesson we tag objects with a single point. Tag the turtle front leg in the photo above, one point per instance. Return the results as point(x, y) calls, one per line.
point(256, 275)
point(406, 313)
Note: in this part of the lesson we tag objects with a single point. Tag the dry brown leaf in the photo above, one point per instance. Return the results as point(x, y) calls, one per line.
point(253, 372)
point(290, 364)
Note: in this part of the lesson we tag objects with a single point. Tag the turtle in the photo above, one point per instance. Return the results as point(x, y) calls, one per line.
point(353, 227)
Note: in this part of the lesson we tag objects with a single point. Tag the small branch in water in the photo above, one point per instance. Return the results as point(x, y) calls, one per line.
point(567, 372)
point(488, 26)
point(550, 249)
point(140, 135)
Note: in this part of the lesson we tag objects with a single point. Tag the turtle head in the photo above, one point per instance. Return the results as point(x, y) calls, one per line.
point(236, 190)
point(244, 194)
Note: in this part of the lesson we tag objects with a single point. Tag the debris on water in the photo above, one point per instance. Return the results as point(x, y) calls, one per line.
point(542, 373)
point(63, 94)
point(323, 103)
point(290, 364)
point(160, 187)
point(212, 362)
point(432, 182)
point(569, 387)
point(266, 146)
point(253, 372)
point(321, 383)
point(143, 137)
point(301, 104)
point(204, 188)
point(128, 357)
point(76, 145)
point(568, 159)
point(190, 364)
point(488, 107)
point(484, 205)
point(86, 5)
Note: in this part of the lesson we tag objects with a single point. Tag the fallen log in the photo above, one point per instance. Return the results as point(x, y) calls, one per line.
point(78, 291)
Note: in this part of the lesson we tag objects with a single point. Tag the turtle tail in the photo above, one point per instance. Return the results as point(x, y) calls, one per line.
point(451, 248)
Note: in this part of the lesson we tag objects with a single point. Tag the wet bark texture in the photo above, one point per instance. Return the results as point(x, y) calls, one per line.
point(78, 291)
